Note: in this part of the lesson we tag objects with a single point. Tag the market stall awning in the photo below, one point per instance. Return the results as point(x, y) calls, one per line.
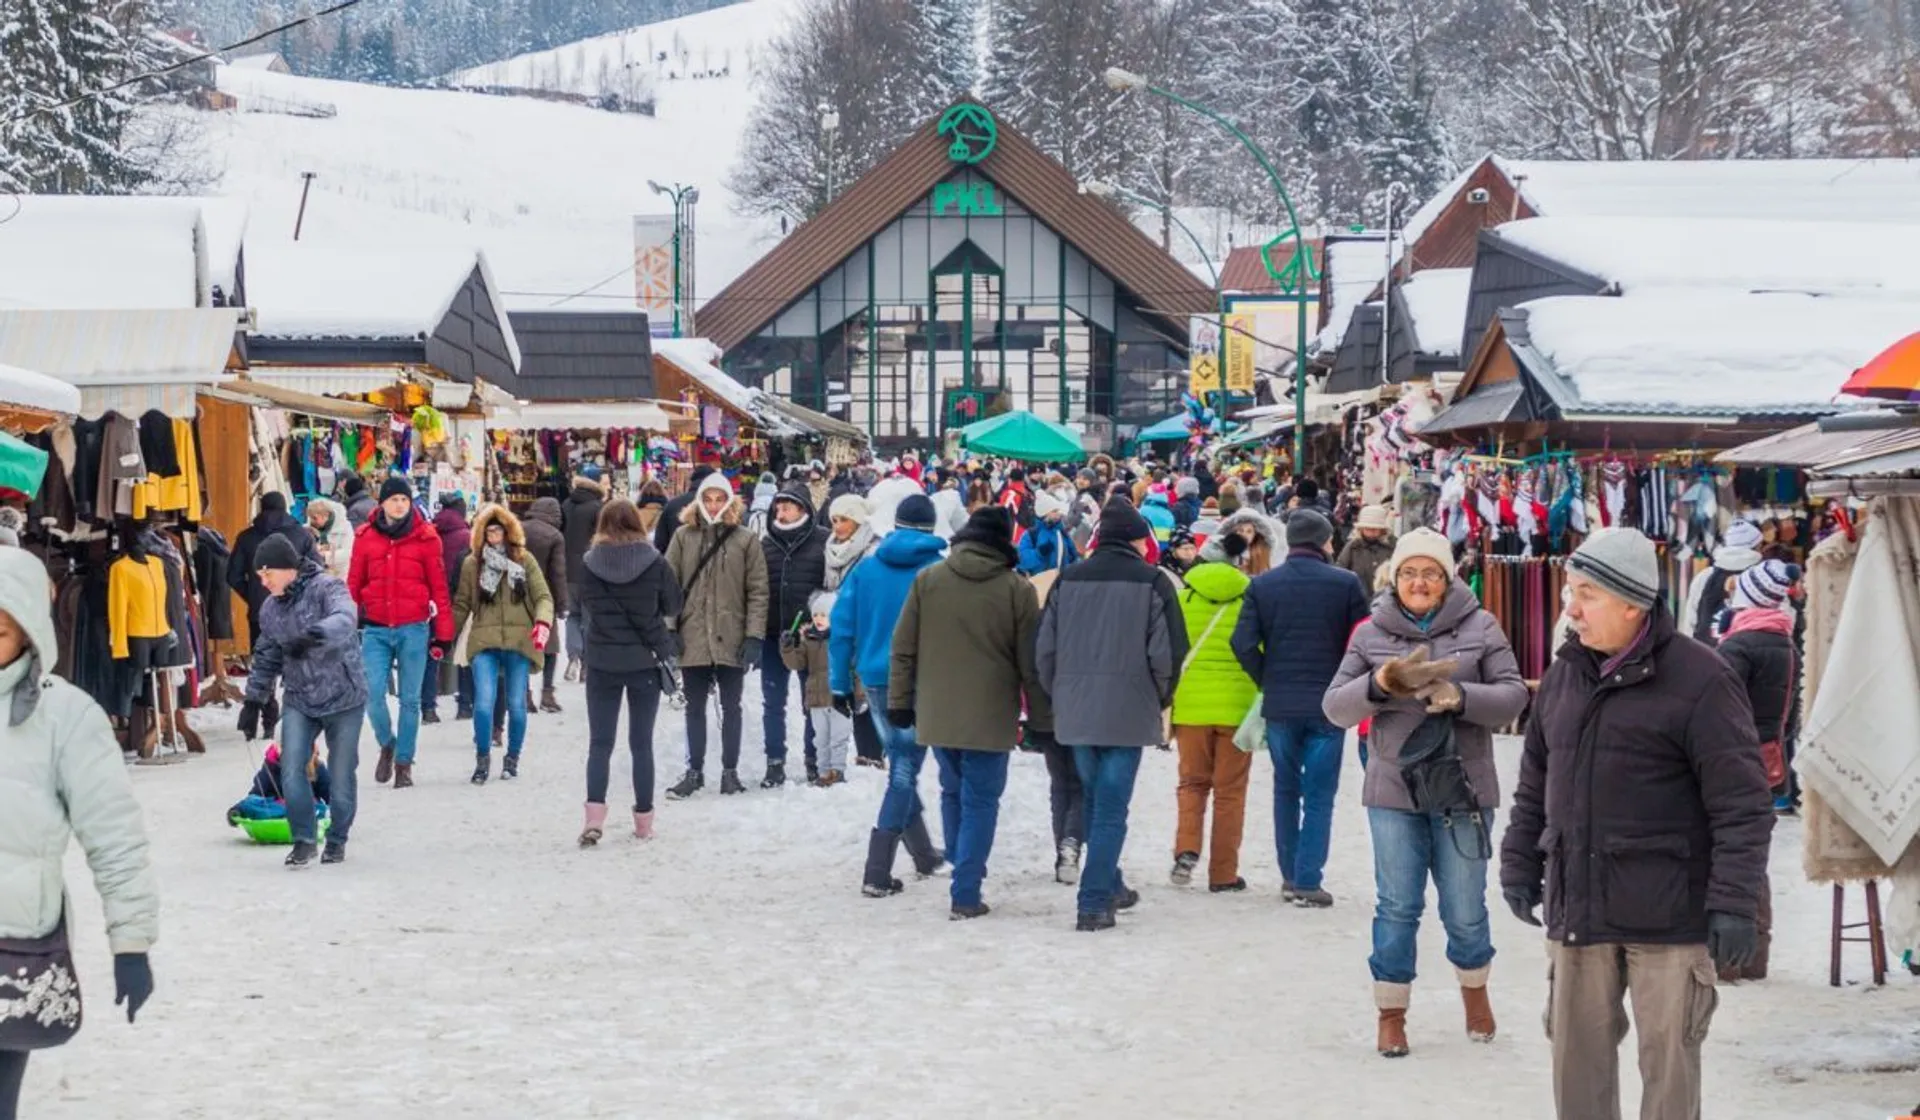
point(330, 380)
point(23, 388)
point(124, 361)
point(1173, 427)
point(818, 422)
point(1022, 435)
point(261, 394)
point(542, 416)
point(1504, 402)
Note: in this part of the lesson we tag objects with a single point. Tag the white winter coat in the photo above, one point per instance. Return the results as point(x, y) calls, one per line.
point(336, 547)
point(61, 777)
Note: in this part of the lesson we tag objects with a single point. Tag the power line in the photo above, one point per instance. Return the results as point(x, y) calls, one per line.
point(587, 292)
point(81, 99)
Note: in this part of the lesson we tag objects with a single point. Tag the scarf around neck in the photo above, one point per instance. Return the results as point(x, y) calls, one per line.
point(843, 555)
point(494, 566)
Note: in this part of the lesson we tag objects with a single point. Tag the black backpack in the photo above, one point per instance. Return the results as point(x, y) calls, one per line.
point(1437, 781)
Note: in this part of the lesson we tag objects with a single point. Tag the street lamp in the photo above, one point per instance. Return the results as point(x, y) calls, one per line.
point(830, 129)
point(1291, 279)
point(683, 197)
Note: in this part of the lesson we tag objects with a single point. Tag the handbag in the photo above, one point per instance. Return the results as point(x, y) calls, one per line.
point(460, 655)
point(39, 991)
point(1251, 735)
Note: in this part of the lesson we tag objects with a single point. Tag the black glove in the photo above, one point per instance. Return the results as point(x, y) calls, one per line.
point(900, 718)
point(299, 644)
point(1523, 901)
point(249, 724)
point(1732, 940)
point(843, 703)
point(1038, 740)
point(750, 653)
point(132, 981)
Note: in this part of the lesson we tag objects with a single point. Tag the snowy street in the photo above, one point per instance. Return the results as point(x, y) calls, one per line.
point(469, 959)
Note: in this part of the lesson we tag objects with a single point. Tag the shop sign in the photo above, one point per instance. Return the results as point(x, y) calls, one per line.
point(1203, 354)
point(970, 132)
point(1239, 350)
point(975, 199)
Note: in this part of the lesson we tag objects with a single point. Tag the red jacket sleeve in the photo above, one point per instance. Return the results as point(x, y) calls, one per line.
point(357, 571)
point(436, 566)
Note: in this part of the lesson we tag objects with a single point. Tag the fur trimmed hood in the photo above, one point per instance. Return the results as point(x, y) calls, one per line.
point(501, 515)
point(1268, 529)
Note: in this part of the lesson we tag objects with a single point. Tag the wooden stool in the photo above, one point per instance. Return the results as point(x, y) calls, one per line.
point(1875, 937)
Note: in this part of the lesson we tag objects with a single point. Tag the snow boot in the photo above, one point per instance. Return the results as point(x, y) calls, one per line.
point(383, 770)
point(1238, 884)
point(596, 825)
point(403, 775)
point(1124, 898)
point(1392, 1000)
point(1066, 862)
point(776, 776)
point(730, 782)
point(690, 783)
point(510, 767)
point(829, 778)
point(878, 882)
point(334, 853)
point(928, 860)
point(1315, 899)
point(463, 711)
point(482, 769)
point(1094, 921)
point(429, 715)
point(643, 825)
point(1183, 865)
point(1288, 892)
point(963, 913)
point(549, 701)
point(302, 855)
point(1473, 995)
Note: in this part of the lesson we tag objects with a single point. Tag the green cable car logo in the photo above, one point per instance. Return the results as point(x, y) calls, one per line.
point(971, 130)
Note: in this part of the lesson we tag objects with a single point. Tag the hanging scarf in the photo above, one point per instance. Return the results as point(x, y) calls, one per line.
point(494, 565)
point(843, 555)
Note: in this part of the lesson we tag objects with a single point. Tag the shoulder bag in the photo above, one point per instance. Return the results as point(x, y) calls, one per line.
point(39, 991)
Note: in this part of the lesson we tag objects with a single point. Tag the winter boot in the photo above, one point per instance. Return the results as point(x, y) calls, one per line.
point(1473, 994)
point(510, 767)
point(1392, 1000)
point(1238, 884)
point(829, 778)
point(813, 773)
point(730, 782)
point(1094, 921)
point(463, 711)
point(1183, 865)
point(572, 674)
point(928, 860)
point(549, 701)
point(302, 855)
point(596, 826)
point(963, 913)
point(482, 769)
point(403, 775)
point(429, 715)
point(1066, 862)
point(878, 881)
point(383, 770)
point(334, 852)
point(1124, 898)
point(690, 783)
point(1315, 899)
point(643, 825)
point(776, 776)
point(1288, 892)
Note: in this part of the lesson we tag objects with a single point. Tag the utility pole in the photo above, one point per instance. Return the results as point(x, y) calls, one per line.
point(830, 131)
point(683, 199)
point(306, 184)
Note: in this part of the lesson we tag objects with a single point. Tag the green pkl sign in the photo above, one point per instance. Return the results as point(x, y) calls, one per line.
point(970, 132)
point(975, 199)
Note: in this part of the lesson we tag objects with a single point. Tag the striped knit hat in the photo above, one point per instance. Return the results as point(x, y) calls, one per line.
point(1623, 561)
point(1764, 585)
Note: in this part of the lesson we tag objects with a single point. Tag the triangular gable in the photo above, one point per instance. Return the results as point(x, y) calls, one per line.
point(1094, 227)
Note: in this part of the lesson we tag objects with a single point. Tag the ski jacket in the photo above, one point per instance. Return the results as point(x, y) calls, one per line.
point(1214, 691)
point(546, 540)
point(1292, 632)
point(1109, 649)
point(328, 677)
point(631, 600)
point(400, 579)
point(963, 652)
point(868, 607)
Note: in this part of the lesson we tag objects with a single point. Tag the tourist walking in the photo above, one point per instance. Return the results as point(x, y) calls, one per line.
point(1291, 637)
point(64, 778)
point(399, 581)
point(1047, 547)
point(796, 559)
point(722, 574)
point(962, 658)
point(545, 527)
point(1435, 674)
point(579, 520)
point(358, 502)
point(243, 573)
point(1641, 819)
point(332, 535)
point(456, 540)
point(1708, 593)
point(632, 599)
point(504, 609)
point(851, 539)
point(1370, 546)
point(1108, 655)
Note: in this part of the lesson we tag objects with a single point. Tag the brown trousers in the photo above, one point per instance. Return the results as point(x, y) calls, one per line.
point(1672, 989)
point(1210, 763)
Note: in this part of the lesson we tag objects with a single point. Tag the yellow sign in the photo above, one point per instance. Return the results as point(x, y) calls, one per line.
point(1203, 354)
point(1239, 348)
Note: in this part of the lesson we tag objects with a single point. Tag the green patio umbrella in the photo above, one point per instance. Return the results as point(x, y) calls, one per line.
point(1022, 435)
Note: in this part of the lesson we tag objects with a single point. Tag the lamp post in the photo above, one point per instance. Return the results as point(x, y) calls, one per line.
point(830, 130)
point(1292, 279)
point(683, 197)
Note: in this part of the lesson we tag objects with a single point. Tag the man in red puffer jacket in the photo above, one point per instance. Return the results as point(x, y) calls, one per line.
point(399, 581)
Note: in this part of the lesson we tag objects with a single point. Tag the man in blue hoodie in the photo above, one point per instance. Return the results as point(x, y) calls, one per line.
point(861, 641)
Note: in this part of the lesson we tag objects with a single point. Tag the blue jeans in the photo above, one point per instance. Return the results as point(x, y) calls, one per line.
point(494, 671)
point(430, 687)
point(1106, 773)
point(774, 677)
point(297, 734)
point(383, 648)
point(901, 804)
point(1407, 847)
point(971, 783)
point(1306, 775)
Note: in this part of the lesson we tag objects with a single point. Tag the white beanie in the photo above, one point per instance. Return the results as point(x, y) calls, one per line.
point(1764, 585)
point(1743, 534)
point(1045, 505)
point(1373, 517)
point(850, 507)
point(1422, 542)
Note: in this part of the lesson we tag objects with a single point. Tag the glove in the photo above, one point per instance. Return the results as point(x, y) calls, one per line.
point(1402, 677)
point(299, 644)
point(1732, 940)
point(541, 632)
point(843, 703)
point(1442, 696)
point(1039, 740)
point(1523, 901)
point(750, 652)
point(900, 718)
point(437, 650)
point(249, 724)
point(132, 982)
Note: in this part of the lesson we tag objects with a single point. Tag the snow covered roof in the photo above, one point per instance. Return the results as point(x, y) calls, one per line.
point(25, 388)
point(699, 359)
point(1354, 266)
point(1704, 353)
point(1436, 303)
point(108, 253)
point(1636, 254)
point(337, 290)
point(268, 60)
point(225, 223)
point(1874, 191)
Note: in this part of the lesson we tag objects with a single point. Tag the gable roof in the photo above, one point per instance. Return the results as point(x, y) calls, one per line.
point(1094, 227)
point(582, 356)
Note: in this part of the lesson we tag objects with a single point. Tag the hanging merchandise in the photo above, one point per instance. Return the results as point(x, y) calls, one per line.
point(430, 424)
point(22, 467)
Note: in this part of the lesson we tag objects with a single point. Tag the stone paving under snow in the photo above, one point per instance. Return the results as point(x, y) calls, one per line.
point(471, 960)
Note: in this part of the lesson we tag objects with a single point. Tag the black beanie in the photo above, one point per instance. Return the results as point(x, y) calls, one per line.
point(915, 512)
point(276, 552)
point(273, 501)
point(396, 485)
point(991, 526)
point(1308, 529)
point(352, 486)
point(1121, 523)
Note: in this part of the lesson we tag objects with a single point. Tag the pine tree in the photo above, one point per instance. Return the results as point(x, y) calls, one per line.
point(1048, 58)
point(53, 52)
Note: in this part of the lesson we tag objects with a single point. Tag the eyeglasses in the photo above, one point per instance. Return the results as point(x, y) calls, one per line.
point(1429, 576)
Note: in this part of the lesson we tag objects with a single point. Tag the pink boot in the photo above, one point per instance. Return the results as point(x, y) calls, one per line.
point(643, 826)
point(596, 824)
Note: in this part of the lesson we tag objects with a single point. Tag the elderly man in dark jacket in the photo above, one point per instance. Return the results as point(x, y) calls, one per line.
point(579, 517)
point(547, 543)
point(1109, 652)
point(1291, 636)
point(1642, 820)
point(796, 551)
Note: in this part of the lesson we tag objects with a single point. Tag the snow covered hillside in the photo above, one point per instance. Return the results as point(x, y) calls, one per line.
point(549, 191)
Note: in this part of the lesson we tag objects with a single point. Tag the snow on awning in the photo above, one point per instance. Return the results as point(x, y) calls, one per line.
point(124, 361)
point(62, 251)
point(331, 381)
point(1436, 303)
point(536, 416)
point(23, 388)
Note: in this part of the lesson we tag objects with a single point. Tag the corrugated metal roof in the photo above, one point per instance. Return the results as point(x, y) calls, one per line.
point(1094, 227)
point(1503, 402)
point(1807, 447)
point(92, 349)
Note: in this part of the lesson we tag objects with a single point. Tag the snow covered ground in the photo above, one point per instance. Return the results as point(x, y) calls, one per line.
point(470, 960)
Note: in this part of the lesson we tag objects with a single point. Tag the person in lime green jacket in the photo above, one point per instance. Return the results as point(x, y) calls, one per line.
point(1213, 696)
